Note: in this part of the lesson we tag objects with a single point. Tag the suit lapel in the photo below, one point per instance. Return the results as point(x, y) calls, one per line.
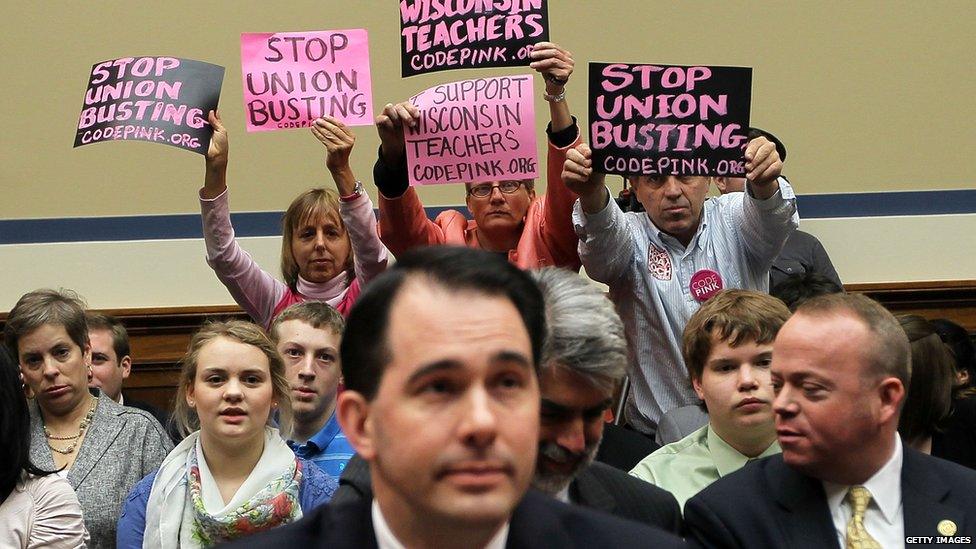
point(357, 532)
point(922, 494)
point(808, 522)
point(588, 491)
point(534, 524)
point(105, 428)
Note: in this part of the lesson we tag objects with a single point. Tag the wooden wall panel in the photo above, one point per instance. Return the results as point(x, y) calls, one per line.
point(954, 300)
point(159, 336)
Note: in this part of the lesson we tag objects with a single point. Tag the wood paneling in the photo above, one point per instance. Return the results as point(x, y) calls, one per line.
point(159, 336)
point(952, 299)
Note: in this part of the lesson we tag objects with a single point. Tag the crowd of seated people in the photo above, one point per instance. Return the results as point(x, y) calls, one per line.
point(460, 396)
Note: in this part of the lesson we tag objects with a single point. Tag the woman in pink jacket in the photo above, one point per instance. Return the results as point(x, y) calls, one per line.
point(329, 248)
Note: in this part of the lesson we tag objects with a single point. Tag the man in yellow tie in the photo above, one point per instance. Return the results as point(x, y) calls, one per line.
point(840, 372)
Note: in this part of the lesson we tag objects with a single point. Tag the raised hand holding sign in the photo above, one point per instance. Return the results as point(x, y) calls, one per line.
point(473, 130)
point(669, 119)
point(437, 35)
point(292, 78)
point(156, 99)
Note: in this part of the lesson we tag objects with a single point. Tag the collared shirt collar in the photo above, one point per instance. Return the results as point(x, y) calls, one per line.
point(385, 539)
point(321, 439)
point(726, 458)
point(563, 495)
point(885, 486)
point(695, 240)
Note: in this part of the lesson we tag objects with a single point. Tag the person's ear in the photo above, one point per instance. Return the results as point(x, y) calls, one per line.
point(962, 378)
point(892, 393)
point(722, 184)
point(696, 384)
point(86, 354)
point(353, 413)
point(126, 365)
point(189, 396)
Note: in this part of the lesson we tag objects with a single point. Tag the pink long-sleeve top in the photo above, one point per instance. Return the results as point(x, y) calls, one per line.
point(548, 237)
point(262, 295)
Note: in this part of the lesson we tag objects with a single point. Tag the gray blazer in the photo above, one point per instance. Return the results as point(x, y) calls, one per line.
point(122, 445)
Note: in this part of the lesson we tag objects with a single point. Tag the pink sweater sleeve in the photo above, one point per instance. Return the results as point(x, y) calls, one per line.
point(404, 224)
point(370, 253)
point(256, 291)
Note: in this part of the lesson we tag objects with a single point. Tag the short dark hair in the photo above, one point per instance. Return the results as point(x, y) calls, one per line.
point(120, 337)
point(797, 288)
point(961, 345)
point(56, 307)
point(14, 427)
point(365, 348)
point(929, 398)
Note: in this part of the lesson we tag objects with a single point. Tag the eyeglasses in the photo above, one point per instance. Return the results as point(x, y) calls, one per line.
point(485, 190)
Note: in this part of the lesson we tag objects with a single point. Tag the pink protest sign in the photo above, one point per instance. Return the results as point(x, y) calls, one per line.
point(472, 131)
point(292, 78)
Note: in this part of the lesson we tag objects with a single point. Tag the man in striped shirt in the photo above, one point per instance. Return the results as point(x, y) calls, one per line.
point(662, 264)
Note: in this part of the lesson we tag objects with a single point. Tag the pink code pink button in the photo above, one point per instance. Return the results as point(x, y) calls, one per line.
point(705, 284)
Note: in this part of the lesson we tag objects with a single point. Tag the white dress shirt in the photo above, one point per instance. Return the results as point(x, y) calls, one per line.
point(385, 539)
point(884, 518)
point(563, 495)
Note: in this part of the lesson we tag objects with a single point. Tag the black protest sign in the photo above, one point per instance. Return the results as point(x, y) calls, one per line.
point(156, 99)
point(439, 35)
point(669, 119)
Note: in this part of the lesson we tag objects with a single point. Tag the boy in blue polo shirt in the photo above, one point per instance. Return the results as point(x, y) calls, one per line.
point(307, 336)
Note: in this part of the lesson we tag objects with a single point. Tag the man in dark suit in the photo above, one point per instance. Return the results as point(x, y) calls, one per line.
point(440, 362)
point(840, 369)
point(112, 364)
point(584, 357)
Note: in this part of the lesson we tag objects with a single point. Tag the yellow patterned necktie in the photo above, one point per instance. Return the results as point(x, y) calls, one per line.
point(857, 537)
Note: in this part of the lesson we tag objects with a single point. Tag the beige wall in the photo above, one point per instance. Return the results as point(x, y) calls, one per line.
point(868, 96)
point(131, 274)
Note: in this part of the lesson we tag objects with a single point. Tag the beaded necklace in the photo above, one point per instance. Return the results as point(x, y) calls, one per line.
point(81, 430)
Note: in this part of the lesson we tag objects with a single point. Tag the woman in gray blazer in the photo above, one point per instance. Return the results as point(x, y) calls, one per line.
point(102, 448)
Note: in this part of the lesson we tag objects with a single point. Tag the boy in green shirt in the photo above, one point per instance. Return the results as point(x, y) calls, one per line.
point(727, 347)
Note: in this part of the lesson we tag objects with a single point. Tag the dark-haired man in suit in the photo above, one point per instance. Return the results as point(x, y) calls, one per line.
point(583, 360)
point(440, 360)
point(112, 364)
point(840, 371)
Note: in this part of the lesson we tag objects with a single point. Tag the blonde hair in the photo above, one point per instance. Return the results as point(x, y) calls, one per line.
point(186, 418)
point(306, 206)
